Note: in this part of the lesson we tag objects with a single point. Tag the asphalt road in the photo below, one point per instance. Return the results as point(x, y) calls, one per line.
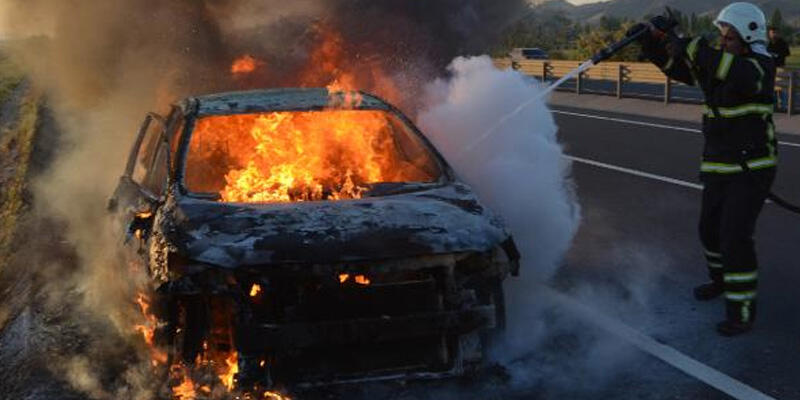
point(636, 257)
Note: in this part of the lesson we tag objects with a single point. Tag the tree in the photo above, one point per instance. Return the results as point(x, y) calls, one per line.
point(595, 40)
point(549, 31)
point(777, 20)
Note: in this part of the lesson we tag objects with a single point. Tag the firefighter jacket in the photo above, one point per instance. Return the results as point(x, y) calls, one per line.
point(737, 122)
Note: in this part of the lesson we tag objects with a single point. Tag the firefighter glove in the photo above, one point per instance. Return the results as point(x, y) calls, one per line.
point(663, 24)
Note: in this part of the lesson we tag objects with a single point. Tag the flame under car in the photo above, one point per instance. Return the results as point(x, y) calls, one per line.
point(317, 236)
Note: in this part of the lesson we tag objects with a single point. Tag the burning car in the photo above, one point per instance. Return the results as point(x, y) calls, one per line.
point(307, 236)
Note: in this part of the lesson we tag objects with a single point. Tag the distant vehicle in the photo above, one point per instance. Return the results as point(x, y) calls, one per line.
point(320, 241)
point(528, 53)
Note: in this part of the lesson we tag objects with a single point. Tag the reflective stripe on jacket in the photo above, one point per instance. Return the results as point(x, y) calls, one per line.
point(737, 122)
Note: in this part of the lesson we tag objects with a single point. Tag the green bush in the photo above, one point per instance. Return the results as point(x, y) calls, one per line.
point(592, 41)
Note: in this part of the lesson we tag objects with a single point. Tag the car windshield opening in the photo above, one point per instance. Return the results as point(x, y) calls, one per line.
point(303, 155)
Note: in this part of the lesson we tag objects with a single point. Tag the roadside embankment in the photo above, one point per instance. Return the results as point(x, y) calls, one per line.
point(17, 133)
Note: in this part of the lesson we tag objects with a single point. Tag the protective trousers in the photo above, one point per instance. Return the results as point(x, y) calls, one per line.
point(731, 205)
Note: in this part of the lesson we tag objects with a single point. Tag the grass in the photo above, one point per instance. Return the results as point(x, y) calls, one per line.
point(793, 61)
point(10, 77)
point(16, 144)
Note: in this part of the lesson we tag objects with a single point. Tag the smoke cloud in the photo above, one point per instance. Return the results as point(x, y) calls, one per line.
point(518, 170)
point(517, 167)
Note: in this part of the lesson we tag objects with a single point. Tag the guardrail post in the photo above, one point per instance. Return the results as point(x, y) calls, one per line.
point(579, 83)
point(545, 70)
point(790, 99)
point(667, 90)
point(620, 78)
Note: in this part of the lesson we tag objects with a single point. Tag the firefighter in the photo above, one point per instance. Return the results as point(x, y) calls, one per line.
point(739, 154)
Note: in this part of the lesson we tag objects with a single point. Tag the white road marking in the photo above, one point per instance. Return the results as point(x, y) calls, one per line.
point(650, 124)
point(639, 173)
point(634, 172)
point(669, 355)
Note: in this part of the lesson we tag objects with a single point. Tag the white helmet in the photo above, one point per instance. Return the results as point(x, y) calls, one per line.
point(747, 19)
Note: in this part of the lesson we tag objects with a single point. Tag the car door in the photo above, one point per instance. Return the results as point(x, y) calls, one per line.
point(141, 187)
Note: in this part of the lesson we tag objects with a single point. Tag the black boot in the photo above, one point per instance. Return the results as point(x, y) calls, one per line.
point(732, 328)
point(740, 317)
point(708, 291)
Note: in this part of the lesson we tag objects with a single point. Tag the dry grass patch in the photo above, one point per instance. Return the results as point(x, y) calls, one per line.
point(10, 77)
point(16, 144)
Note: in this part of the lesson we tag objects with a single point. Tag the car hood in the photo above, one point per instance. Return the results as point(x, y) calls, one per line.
point(443, 219)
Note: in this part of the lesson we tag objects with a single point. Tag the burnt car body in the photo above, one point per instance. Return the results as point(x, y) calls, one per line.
point(276, 281)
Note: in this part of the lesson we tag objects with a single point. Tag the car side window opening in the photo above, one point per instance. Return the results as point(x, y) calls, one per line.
point(147, 151)
point(175, 125)
point(156, 182)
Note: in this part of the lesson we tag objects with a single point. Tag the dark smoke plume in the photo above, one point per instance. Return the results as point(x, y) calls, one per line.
point(186, 46)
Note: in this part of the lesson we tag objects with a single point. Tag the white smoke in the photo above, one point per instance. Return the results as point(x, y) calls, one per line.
point(517, 171)
point(517, 168)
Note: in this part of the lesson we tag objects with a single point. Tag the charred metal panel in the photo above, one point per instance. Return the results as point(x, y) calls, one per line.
point(443, 219)
point(277, 100)
point(371, 330)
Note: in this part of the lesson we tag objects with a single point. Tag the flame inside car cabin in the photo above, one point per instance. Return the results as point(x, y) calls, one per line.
point(330, 154)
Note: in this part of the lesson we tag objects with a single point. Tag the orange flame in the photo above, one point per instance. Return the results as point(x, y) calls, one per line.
point(144, 214)
point(232, 364)
point(333, 65)
point(275, 396)
point(359, 279)
point(185, 391)
point(362, 280)
point(147, 330)
point(297, 156)
point(255, 290)
point(244, 65)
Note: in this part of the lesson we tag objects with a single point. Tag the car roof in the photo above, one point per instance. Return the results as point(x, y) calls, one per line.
point(284, 99)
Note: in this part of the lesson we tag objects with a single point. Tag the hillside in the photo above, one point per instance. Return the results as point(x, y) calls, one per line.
point(637, 9)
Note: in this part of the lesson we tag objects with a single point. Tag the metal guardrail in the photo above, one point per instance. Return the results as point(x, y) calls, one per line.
point(787, 82)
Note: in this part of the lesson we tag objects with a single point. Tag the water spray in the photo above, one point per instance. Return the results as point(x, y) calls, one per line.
point(599, 57)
